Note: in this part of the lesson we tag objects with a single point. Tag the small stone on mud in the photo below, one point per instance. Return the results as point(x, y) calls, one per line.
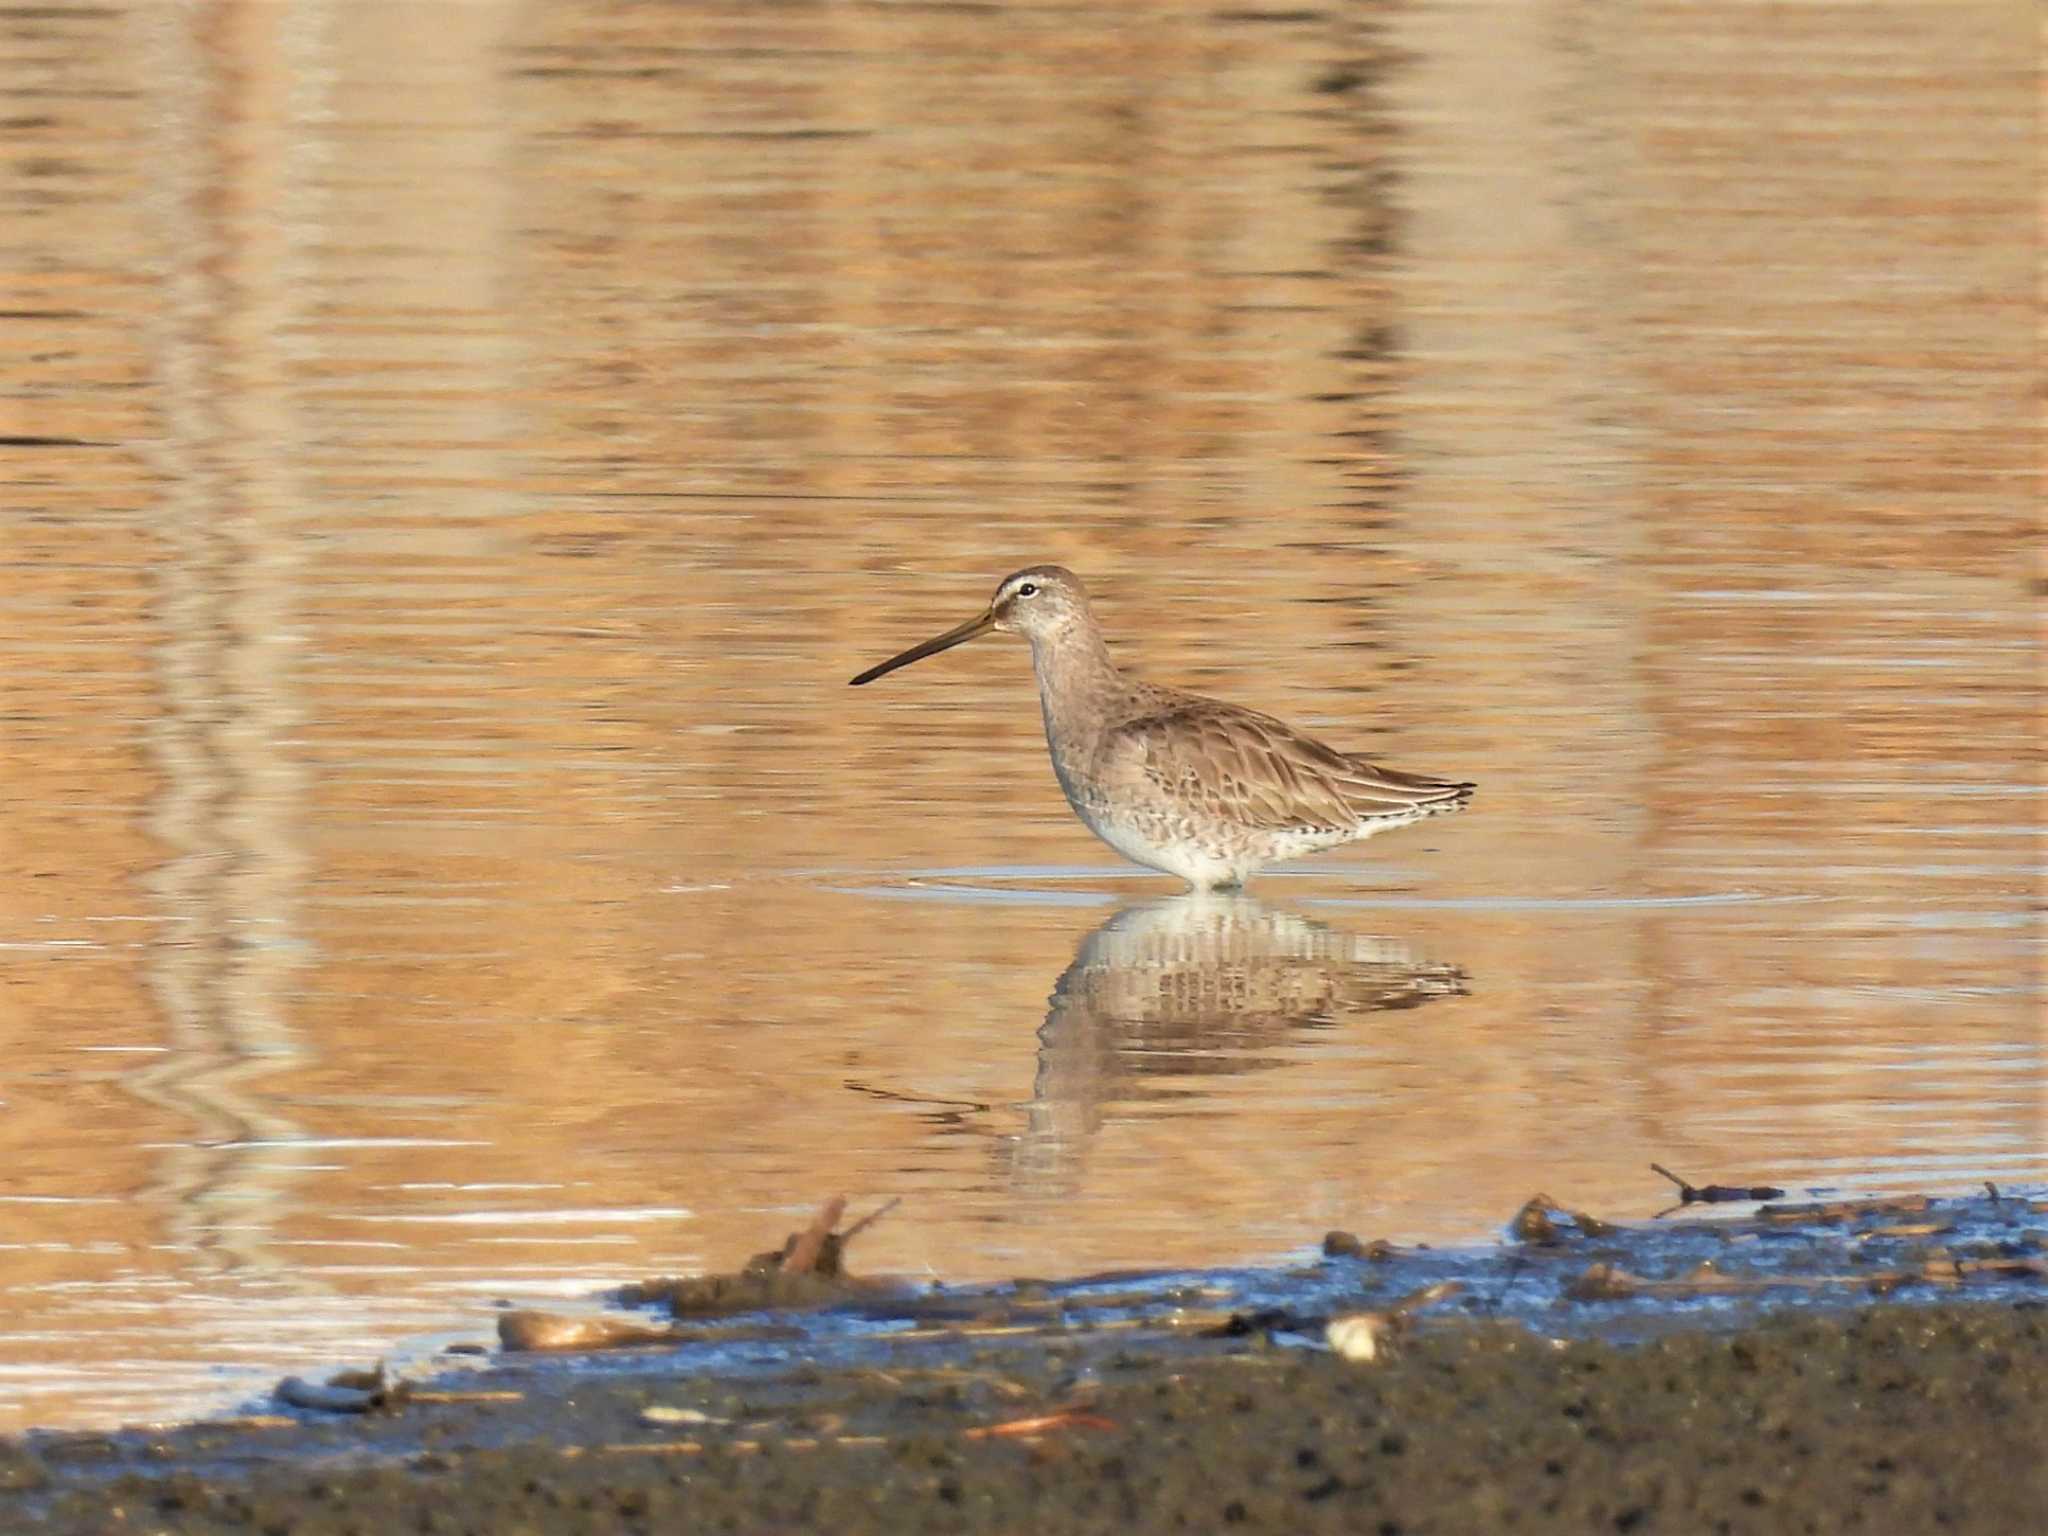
point(1359, 1336)
point(663, 1413)
point(1603, 1282)
point(1533, 1222)
point(1347, 1245)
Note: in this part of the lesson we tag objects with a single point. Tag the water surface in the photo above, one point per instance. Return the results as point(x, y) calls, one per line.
point(455, 457)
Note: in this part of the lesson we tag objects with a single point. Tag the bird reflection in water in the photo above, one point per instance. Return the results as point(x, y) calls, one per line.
point(1190, 987)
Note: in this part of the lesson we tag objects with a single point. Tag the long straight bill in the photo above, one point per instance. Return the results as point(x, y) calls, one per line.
point(979, 624)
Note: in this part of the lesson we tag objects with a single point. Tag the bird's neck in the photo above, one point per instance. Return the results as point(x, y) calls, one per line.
point(1072, 666)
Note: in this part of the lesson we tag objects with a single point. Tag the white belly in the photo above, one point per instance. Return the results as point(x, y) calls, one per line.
point(1199, 866)
point(1205, 857)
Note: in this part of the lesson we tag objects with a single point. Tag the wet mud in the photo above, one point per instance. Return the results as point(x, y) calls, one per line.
point(1868, 1366)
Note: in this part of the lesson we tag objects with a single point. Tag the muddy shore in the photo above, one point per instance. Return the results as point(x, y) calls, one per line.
point(1205, 1403)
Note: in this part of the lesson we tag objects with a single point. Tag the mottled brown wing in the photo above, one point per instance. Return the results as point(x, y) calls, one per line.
point(1256, 771)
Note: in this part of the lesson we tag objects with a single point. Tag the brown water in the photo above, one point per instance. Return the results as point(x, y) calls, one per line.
point(455, 456)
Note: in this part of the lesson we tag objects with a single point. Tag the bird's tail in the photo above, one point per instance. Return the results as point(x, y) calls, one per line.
point(1372, 791)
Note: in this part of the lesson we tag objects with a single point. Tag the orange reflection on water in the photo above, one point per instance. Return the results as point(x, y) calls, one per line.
point(456, 466)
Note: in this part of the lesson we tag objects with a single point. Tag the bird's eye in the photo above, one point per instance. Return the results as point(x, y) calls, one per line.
point(1029, 589)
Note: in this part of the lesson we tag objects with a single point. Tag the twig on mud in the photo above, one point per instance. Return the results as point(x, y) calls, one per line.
point(528, 1329)
point(868, 1220)
point(818, 1249)
point(1904, 1229)
point(1716, 1194)
point(1846, 1210)
point(1610, 1282)
point(1071, 1418)
point(802, 1255)
point(419, 1396)
point(731, 1447)
point(1428, 1296)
